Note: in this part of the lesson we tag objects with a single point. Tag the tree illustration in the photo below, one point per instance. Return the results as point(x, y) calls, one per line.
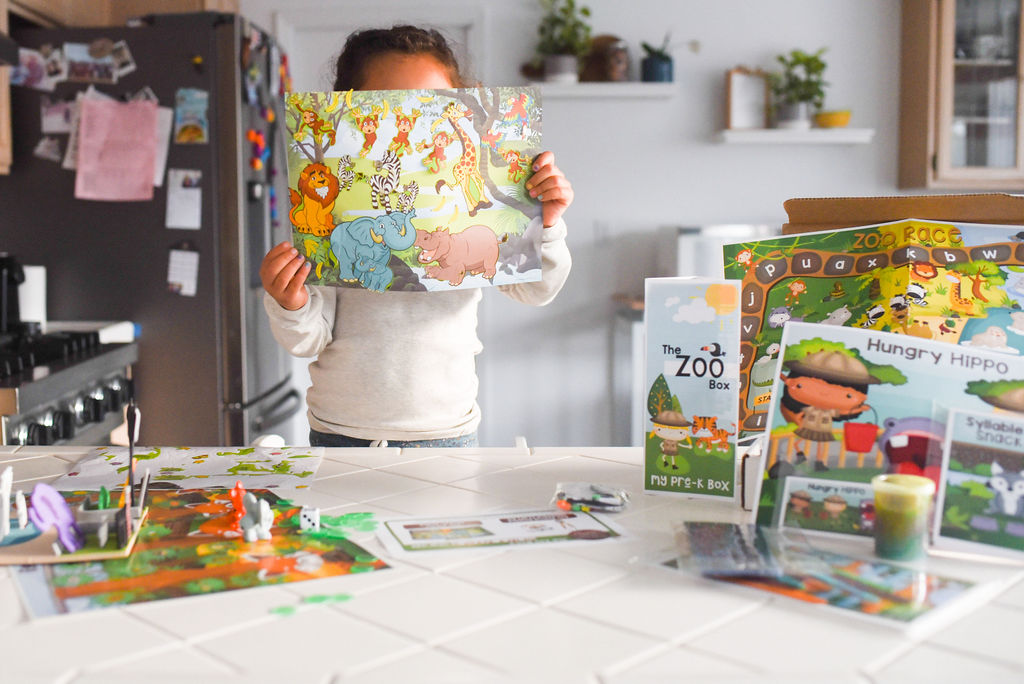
point(486, 113)
point(660, 397)
point(308, 120)
point(980, 273)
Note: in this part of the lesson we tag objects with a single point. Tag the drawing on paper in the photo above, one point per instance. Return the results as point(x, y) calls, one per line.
point(415, 190)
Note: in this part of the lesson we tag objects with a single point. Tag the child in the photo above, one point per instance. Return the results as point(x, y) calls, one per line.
point(399, 367)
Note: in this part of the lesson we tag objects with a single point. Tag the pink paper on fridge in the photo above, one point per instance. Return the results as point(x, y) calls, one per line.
point(116, 150)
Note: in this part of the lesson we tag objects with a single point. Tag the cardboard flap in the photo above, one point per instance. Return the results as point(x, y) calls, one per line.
point(827, 213)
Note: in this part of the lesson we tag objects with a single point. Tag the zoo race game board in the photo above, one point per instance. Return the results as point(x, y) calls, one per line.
point(415, 189)
point(959, 283)
point(691, 371)
point(848, 404)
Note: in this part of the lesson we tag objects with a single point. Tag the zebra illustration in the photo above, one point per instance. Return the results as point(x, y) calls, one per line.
point(346, 172)
point(383, 184)
point(407, 196)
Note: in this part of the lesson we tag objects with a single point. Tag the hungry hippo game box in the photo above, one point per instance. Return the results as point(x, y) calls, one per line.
point(691, 375)
point(851, 403)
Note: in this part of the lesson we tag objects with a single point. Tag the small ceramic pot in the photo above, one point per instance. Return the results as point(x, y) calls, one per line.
point(655, 69)
point(795, 116)
point(561, 69)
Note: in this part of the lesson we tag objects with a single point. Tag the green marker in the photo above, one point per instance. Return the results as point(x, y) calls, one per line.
point(104, 499)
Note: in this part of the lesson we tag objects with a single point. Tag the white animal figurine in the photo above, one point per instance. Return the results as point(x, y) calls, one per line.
point(258, 518)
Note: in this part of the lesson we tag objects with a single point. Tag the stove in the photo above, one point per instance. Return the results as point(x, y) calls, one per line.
point(62, 387)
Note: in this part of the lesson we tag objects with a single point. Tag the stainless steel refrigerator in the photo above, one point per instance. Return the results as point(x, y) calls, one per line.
point(208, 370)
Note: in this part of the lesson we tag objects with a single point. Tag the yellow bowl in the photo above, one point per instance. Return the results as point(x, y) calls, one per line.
point(836, 119)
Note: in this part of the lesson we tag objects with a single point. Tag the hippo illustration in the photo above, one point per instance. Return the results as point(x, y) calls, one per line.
point(912, 445)
point(471, 251)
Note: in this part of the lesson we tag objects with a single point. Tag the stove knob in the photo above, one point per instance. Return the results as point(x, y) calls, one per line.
point(63, 424)
point(112, 398)
point(39, 434)
point(94, 409)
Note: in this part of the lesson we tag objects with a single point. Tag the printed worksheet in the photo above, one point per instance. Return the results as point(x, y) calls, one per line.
point(405, 535)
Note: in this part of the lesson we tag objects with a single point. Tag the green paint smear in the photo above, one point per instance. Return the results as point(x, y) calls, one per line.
point(283, 611)
point(327, 598)
point(241, 452)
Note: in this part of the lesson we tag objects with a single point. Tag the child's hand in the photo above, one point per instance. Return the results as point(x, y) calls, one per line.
point(283, 274)
point(551, 187)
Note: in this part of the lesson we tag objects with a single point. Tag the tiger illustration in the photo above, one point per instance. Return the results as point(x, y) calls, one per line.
point(704, 431)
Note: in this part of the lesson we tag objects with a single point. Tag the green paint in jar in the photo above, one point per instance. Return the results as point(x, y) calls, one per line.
point(902, 506)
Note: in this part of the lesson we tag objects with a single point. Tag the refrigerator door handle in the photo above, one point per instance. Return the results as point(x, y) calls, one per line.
point(246, 405)
point(291, 402)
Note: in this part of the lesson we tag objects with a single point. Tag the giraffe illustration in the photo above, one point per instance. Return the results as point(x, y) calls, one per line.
point(466, 171)
point(957, 301)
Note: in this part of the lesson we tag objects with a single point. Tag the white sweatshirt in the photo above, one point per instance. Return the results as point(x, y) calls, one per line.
point(400, 365)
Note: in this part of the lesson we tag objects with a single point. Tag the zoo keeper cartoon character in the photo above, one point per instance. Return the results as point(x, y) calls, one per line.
point(823, 387)
point(672, 427)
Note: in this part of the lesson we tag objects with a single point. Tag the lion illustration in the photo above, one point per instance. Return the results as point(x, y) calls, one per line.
point(313, 203)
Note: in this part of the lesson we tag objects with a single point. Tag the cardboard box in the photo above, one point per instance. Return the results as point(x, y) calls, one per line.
point(830, 213)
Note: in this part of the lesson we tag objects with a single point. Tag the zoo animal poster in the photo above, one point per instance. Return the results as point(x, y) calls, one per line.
point(958, 283)
point(981, 502)
point(415, 190)
point(691, 373)
point(849, 403)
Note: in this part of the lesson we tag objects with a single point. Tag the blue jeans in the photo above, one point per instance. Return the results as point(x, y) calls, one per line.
point(324, 439)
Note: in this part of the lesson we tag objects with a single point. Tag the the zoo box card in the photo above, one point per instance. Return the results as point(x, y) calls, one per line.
point(415, 189)
point(981, 503)
point(691, 374)
point(848, 404)
point(959, 283)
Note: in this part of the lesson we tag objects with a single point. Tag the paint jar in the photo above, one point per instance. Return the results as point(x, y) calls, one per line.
point(902, 511)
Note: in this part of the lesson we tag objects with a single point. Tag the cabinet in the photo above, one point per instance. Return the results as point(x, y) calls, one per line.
point(961, 99)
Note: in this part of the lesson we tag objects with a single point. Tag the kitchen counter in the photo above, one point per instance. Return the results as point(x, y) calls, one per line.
point(602, 613)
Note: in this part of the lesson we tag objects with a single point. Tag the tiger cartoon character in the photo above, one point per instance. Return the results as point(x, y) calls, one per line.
point(404, 123)
point(704, 430)
point(721, 437)
point(313, 202)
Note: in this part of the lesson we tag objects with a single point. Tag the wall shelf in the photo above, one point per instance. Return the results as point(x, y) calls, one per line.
point(628, 90)
point(814, 136)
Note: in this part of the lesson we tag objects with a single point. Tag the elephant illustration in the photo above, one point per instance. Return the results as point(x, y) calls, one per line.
point(363, 247)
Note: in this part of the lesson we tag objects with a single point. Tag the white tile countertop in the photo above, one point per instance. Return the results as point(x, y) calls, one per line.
point(602, 614)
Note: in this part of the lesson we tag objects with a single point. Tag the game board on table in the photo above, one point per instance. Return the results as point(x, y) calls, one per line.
point(958, 283)
point(189, 546)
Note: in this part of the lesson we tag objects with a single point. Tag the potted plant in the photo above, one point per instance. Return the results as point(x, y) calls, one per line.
point(657, 62)
point(799, 87)
point(564, 37)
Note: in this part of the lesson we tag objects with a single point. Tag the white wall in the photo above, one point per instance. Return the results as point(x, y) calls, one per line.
point(637, 164)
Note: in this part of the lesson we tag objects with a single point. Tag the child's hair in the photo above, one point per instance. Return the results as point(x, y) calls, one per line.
point(363, 46)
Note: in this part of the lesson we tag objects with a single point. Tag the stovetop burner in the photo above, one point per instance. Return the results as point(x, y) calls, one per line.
point(27, 349)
